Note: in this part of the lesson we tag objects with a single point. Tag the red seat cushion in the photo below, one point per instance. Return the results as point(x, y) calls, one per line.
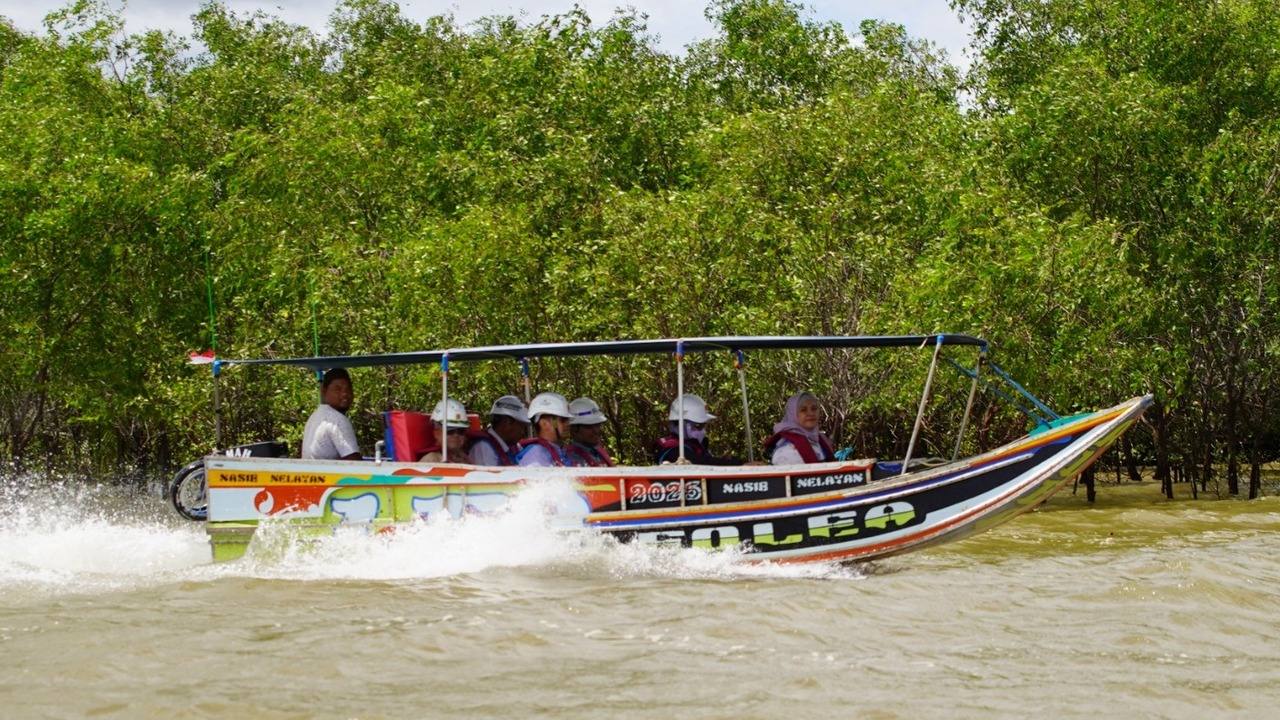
point(409, 435)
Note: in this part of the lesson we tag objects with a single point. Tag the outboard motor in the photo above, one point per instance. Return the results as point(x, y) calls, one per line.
point(188, 492)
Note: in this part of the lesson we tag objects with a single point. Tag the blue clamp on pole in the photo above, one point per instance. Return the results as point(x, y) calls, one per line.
point(217, 367)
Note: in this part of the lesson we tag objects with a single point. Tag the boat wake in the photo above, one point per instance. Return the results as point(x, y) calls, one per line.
point(74, 536)
point(540, 529)
point(71, 537)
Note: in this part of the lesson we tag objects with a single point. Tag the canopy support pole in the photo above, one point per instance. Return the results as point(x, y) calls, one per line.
point(524, 377)
point(217, 405)
point(1029, 411)
point(680, 397)
point(1024, 393)
point(444, 420)
point(968, 406)
point(740, 362)
point(924, 400)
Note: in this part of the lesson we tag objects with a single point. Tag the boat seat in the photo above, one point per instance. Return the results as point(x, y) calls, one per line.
point(408, 435)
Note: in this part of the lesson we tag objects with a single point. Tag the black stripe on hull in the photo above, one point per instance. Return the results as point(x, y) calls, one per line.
point(856, 518)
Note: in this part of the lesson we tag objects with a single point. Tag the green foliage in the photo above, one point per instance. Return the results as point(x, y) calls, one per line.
point(1159, 117)
point(1102, 208)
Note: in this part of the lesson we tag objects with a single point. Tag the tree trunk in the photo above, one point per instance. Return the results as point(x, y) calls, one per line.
point(1255, 466)
point(164, 454)
point(1207, 475)
point(1089, 493)
point(1233, 431)
point(1126, 448)
point(1163, 472)
point(22, 437)
point(1233, 472)
point(1233, 461)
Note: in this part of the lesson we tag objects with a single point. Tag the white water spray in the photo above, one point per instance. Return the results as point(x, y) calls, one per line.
point(73, 537)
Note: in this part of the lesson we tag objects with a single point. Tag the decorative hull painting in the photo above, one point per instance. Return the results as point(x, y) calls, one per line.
point(826, 512)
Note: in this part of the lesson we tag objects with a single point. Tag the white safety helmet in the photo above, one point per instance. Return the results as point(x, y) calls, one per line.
point(585, 411)
point(510, 406)
point(455, 416)
point(695, 410)
point(549, 403)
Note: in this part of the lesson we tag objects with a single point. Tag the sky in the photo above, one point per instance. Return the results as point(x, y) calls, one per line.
point(675, 22)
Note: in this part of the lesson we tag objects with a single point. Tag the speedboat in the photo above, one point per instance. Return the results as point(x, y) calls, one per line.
point(843, 510)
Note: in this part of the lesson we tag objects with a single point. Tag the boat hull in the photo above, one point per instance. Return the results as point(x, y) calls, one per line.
point(823, 512)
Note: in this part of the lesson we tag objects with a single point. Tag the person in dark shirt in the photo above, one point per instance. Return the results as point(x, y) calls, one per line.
point(696, 452)
point(586, 442)
point(508, 425)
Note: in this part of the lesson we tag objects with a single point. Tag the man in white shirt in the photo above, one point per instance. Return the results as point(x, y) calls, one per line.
point(329, 435)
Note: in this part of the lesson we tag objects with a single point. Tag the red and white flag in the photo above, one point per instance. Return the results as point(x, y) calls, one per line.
point(201, 358)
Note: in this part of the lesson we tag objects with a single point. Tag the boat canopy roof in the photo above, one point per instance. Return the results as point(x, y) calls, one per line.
point(619, 347)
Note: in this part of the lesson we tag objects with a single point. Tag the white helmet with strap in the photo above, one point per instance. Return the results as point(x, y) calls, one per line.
point(454, 416)
point(585, 411)
point(695, 409)
point(510, 406)
point(549, 403)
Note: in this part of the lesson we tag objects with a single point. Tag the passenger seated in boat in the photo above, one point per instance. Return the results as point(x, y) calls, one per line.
point(586, 435)
point(696, 417)
point(496, 444)
point(797, 439)
point(550, 414)
point(452, 424)
point(328, 434)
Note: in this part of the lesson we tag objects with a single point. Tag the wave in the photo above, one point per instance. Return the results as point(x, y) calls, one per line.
point(76, 537)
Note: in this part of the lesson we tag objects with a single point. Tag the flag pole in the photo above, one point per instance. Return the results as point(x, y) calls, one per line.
point(213, 345)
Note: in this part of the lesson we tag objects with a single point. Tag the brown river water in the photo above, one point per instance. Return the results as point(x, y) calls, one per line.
point(1138, 607)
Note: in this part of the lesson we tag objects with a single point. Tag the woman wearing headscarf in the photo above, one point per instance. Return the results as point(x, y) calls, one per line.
point(797, 440)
